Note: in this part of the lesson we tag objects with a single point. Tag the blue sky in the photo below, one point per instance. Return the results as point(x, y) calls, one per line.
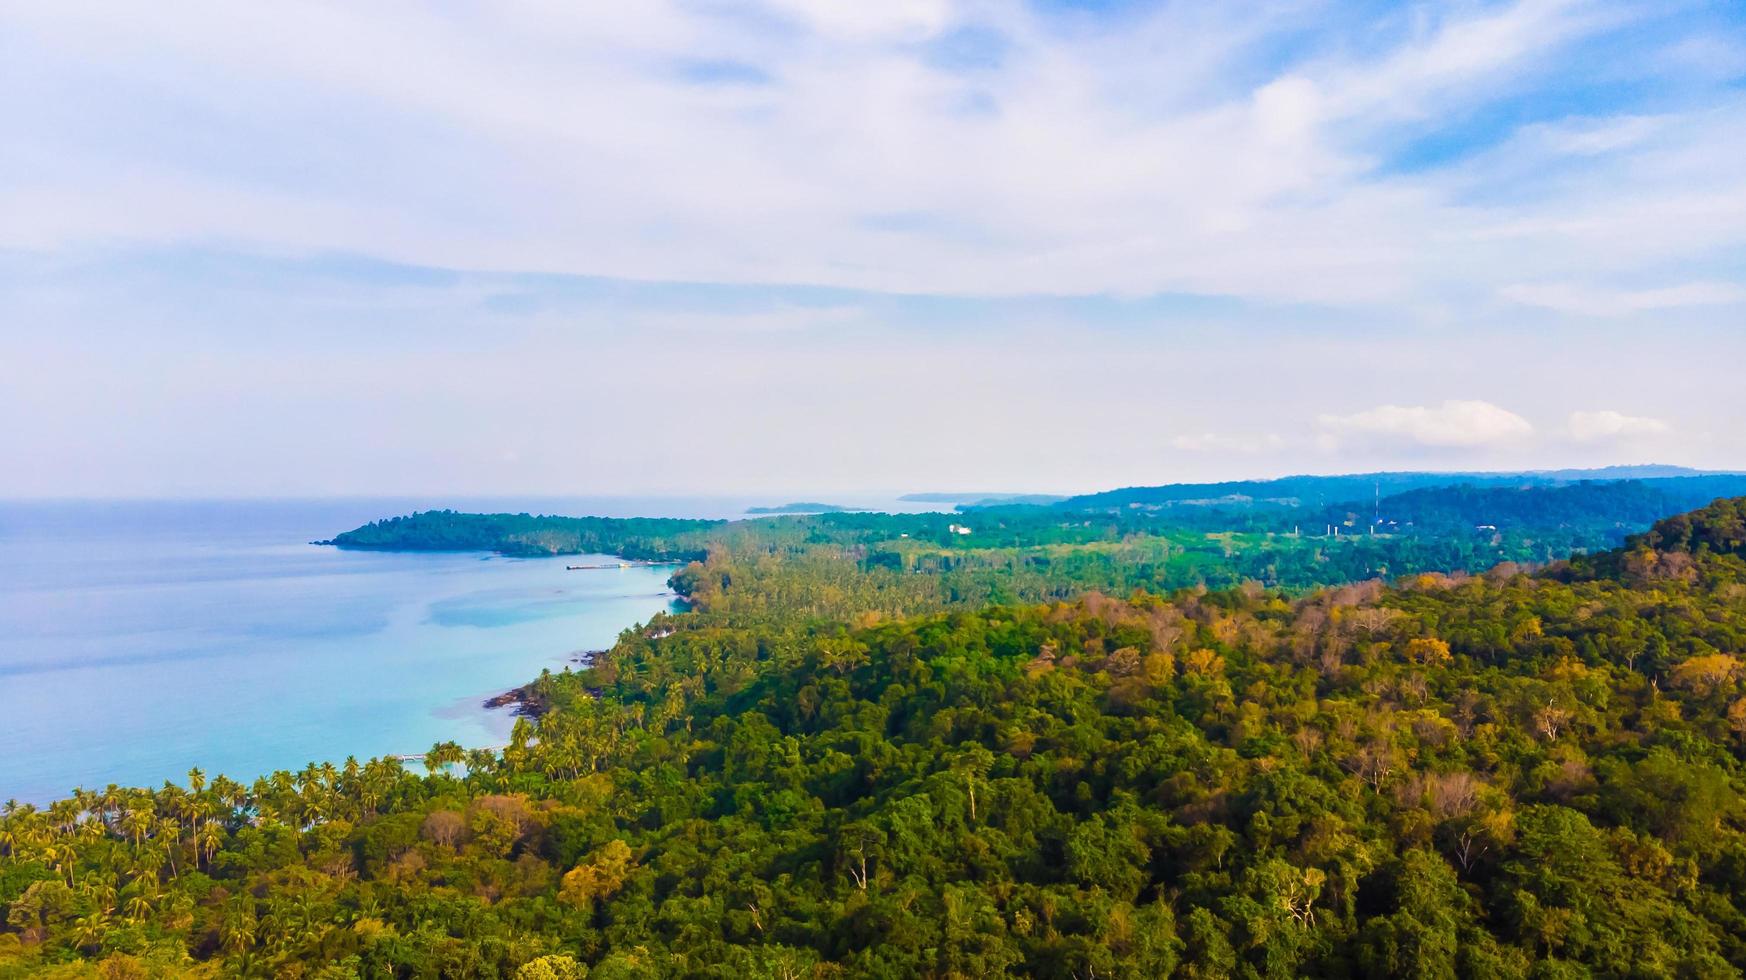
point(711, 247)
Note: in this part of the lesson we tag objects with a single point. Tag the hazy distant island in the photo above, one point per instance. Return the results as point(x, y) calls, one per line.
point(974, 499)
point(800, 507)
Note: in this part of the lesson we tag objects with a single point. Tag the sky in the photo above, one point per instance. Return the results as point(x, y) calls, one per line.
point(689, 246)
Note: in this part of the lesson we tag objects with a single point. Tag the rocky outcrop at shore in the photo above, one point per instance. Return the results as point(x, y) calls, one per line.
point(523, 700)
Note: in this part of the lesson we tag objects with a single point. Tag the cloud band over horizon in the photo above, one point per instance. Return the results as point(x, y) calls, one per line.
point(332, 248)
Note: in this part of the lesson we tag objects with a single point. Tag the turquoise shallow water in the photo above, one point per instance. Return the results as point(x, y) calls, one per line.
point(139, 639)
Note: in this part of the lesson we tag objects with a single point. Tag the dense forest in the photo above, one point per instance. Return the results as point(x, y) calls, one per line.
point(841, 564)
point(1055, 746)
point(1586, 511)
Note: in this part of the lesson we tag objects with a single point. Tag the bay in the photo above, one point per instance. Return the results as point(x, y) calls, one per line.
point(141, 638)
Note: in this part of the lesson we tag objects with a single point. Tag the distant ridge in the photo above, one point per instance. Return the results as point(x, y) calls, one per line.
point(1641, 471)
point(982, 498)
point(1312, 491)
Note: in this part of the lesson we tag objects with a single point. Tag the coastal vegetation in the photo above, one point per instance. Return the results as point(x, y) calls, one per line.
point(842, 564)
point(1065, 744)
point(528, 535)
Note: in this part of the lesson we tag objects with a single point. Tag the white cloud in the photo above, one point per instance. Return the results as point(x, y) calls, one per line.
point(1451, 425)
point(1600, 301)
point(1606, 425)
point(1287, 110)
point(1591, 137)
point(1167, 151)
point(343, 385)
point(1489, 49)
point(891, 19)
point(1213, 442)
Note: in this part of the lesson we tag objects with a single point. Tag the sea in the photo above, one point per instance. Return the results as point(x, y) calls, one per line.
point(140, 639)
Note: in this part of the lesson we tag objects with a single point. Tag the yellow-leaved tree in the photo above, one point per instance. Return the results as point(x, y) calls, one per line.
point(1707, 672)
point(599, 875)
point(554, 967)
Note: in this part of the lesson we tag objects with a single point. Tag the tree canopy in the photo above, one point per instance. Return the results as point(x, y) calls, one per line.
point(964, 762)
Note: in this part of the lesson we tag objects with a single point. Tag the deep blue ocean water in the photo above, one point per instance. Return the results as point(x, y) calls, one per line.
point(138, 639)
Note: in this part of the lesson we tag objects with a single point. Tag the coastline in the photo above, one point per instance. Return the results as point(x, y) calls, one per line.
point(257, 626)
point(525, 701)
point(522, 702)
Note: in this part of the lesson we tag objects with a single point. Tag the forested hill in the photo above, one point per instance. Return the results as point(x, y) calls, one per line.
point(1685, 546)
point(1504, 775)
point(1610, 511)
point(1717, 529)
point(526, 535)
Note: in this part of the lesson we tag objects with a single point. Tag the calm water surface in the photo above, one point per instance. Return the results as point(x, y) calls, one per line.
point(139, 639)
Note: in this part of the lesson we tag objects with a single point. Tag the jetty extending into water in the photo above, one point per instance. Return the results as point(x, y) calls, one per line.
point(620, 564)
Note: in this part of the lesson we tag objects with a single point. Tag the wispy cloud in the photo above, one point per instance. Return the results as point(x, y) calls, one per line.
point(1608, 425)
point(1244, 151)
point(1601, 301)
point(1450, 425)
point(1213, 442)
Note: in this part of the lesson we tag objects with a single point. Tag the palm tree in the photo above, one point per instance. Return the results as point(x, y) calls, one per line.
point(266, 795)
point(64, 814)
point(63, 858)
point(90, 930)
point(200, 811)
point(138, 907)
point(119, 861)
point(101, 895)
point(443, 754)
point(178, 910)
point(93, 829)
point(137, 820)
point(107, 806)
point(171, 797)
point(207, 840)
point(482, 765)
point(86, 800)
point(236, 928)
point(169, 839)
point(148, 861)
